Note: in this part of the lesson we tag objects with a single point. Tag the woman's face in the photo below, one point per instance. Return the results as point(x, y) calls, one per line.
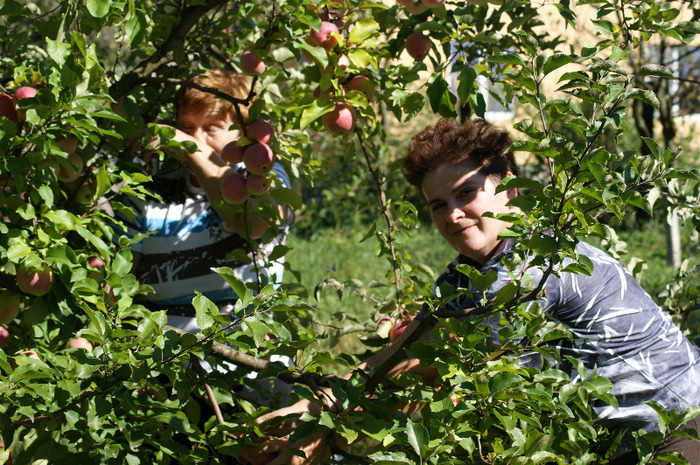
point(457, 197)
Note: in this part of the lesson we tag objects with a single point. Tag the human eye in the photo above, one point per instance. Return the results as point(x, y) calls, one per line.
point(466, 192)
point(213, 128)
point(437, 206)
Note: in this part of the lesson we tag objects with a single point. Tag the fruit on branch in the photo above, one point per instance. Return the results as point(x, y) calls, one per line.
point(260, 130)
point(232, 153)
point(68, 144)
point(416, 8)
point(257, 185)
point(36, 283)
point(73, 170)
point(399, 328)
point(340, 119)
point(323, 37)
point(95, 262)
point(418, 45)
point(24, 92)
point(7, 107)
point(4, 336)
point(30, 354)
point(9, 307)
point(251, 63)
point(80, 343)
point(20, 94)
point(85, 192)
point(433, 3)
point(258, 159)
point(343, 62)
point(361, 84)
point(233, 189)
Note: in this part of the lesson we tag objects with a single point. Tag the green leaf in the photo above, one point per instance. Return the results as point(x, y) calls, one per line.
point(58, 51)
point(205, 310)
point(556, 61)
point(417, 436)
point(285, 196)
point(363, 29)
point(314, 111)
point(236, 284)
point(98, 8)
point(65, 219)
point(503, 381)
point(508, 58)
point(655, 70)
point(441, 99)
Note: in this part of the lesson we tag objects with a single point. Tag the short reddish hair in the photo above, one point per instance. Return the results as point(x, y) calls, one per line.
point(451, 143)
point(194, 100)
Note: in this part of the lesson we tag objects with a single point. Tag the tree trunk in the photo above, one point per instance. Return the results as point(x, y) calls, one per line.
point(673, 240)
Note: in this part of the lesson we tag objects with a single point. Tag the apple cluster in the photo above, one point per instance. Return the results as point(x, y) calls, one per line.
point(331, 37)
point(417, 44)
point(256, 154)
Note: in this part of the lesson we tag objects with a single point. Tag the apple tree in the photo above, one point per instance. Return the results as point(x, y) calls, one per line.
point(90, 374)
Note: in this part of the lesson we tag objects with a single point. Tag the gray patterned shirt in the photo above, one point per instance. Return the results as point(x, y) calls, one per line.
point(616, 328)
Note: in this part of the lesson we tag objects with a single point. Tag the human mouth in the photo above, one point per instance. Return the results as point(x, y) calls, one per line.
point(462, 229)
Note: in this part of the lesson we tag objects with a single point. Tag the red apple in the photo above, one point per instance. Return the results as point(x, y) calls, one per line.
point(433, 3)
point(361, 84)
point(80, 343)
point(24, 92)
point(323, 37)
point(398, 328)
point(258, 158)
point(36, 283)
point(72, 171)
point(257, 185)
point(233, 188)
point(340, 119)
point(4, 336)
point(7, 107)
point(406, 2)
point(418, 45)
point(232, 153)
point(30, 354)
point(95, 262)
point(68, 144)
point(416, 8)
point(9, 307)
point(251, 63)
point(343, 62)
point(260, 130)
point(20, 94)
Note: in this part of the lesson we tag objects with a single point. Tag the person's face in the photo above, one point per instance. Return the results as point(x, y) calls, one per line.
point(457, 196)
point(207, 128)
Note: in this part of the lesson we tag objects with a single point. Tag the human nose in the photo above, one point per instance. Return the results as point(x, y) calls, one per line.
point(199, 135)
point(455, 213)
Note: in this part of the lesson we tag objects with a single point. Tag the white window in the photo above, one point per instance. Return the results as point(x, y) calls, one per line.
point(496, 105)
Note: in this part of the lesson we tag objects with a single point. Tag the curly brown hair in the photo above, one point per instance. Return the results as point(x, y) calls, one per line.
point(228, 82)
point(449, 142)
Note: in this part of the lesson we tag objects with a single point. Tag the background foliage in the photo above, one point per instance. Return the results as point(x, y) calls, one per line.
point(106, 69)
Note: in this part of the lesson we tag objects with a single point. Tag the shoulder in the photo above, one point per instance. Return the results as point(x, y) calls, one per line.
point(281, 173)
